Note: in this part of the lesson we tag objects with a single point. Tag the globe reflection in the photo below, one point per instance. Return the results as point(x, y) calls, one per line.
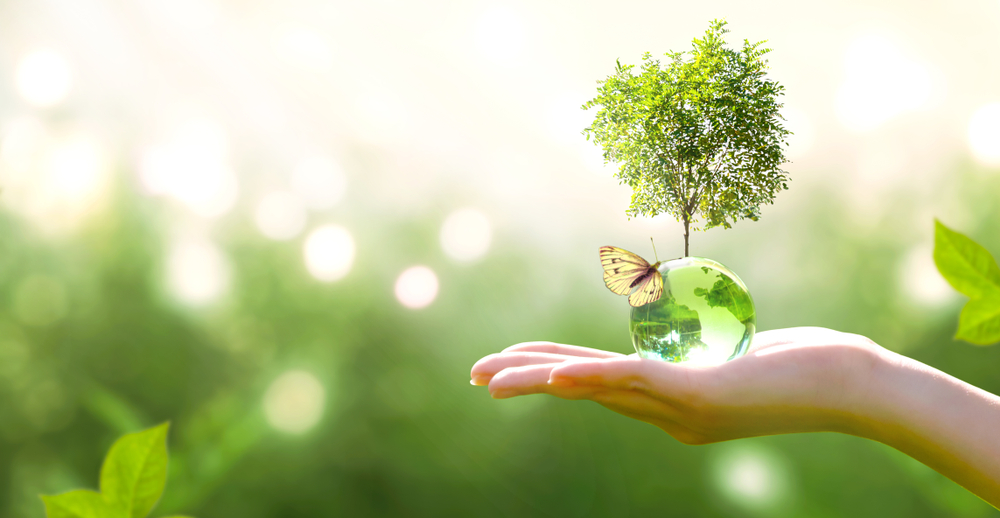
point(705, 316)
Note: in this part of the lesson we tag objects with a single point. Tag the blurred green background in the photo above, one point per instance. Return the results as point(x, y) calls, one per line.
point(290, 228)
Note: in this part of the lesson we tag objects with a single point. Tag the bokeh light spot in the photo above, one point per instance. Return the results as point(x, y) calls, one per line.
point(197, 272)
point(40, 300)
point(192, 166)
point(466, 234)
point(751, 477)
point(43, 78)
point(76, 169)
point(280, 215)
point(319, 181)
point(294, 402)
point(984, 134)
point(55, 182)
point(880, 82)
point(417, 287)
point(329, 253)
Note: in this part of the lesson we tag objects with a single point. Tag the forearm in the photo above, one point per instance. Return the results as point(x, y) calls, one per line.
point(937, 419)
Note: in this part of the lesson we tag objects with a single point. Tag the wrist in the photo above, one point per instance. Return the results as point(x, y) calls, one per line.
point(879, 397)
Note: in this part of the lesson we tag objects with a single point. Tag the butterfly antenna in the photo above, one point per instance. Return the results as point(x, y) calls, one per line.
point(654, 249)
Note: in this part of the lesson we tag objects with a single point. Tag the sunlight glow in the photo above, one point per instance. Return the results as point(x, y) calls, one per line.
point(305, 48)
point(466, 234)
point(329, 253)
point(319, 181)
point(197, 272)
point(280, 215)
point(55, 182)
point(192, 167)
point(880, 83)
point(76, 169)
point(566, 120)
point(706, 357)
point(417, 287)
point(500, 34)
point(920, 280)
point(803, 138)
point(23, 140)
point(984, 134)
point(43, 78)
point(294, 402)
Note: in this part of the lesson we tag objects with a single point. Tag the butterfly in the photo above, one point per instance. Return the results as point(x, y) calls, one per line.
point(625, 271)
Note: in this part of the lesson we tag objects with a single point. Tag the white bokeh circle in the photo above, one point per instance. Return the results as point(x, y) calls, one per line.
point(466, 234)
point(294, 402)
point(329, 252)
point(417, 287)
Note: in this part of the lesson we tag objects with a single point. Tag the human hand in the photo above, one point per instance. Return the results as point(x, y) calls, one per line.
point(792, 380)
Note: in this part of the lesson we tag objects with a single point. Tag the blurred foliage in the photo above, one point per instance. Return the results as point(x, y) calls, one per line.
point(402, 433)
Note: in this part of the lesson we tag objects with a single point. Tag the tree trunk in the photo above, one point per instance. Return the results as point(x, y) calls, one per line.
point(686, 233)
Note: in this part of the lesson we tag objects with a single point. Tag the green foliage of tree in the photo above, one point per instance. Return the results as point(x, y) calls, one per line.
point(698, 137)
point(971, 270)
point(132, 480)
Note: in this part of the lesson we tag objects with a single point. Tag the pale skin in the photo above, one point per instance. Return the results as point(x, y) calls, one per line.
point(804, 379)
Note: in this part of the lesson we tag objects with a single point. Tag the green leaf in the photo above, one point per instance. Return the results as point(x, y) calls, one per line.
point(979, 322)
point(135, 471)
point(77, 504)
point(966, 265)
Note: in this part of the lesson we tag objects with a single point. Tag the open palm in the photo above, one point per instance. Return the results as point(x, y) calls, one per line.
point(792, 380)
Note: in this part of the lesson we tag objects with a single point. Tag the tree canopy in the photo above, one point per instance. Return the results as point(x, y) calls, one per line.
point(699, 137)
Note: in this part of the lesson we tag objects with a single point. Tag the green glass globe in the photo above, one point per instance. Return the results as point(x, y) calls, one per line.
point(705, 315)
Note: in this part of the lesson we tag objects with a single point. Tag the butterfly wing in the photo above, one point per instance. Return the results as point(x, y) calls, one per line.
point(622, 269)
point(650, 289)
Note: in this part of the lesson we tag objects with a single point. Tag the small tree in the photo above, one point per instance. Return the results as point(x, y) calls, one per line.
point(698, 137)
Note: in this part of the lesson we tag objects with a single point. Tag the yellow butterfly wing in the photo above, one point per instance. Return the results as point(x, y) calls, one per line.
point(650, 290)
point(622, 269)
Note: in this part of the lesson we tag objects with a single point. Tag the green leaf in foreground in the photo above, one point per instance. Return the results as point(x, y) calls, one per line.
point(132, 479)
point(135, 471)
point(966, 265)
point(77, 504)
point(979, 322)
point(970, 269)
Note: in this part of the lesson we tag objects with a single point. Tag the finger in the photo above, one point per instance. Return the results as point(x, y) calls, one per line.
point(653, 377)
point(515, 381)
point(534, 379)
point(569, 350)
point(487, 367)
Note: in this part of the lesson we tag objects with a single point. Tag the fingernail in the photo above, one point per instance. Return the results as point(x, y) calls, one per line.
point(500, 394)
point(479, 380)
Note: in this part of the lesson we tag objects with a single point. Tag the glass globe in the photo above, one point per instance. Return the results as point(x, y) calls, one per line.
point(705, 315)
